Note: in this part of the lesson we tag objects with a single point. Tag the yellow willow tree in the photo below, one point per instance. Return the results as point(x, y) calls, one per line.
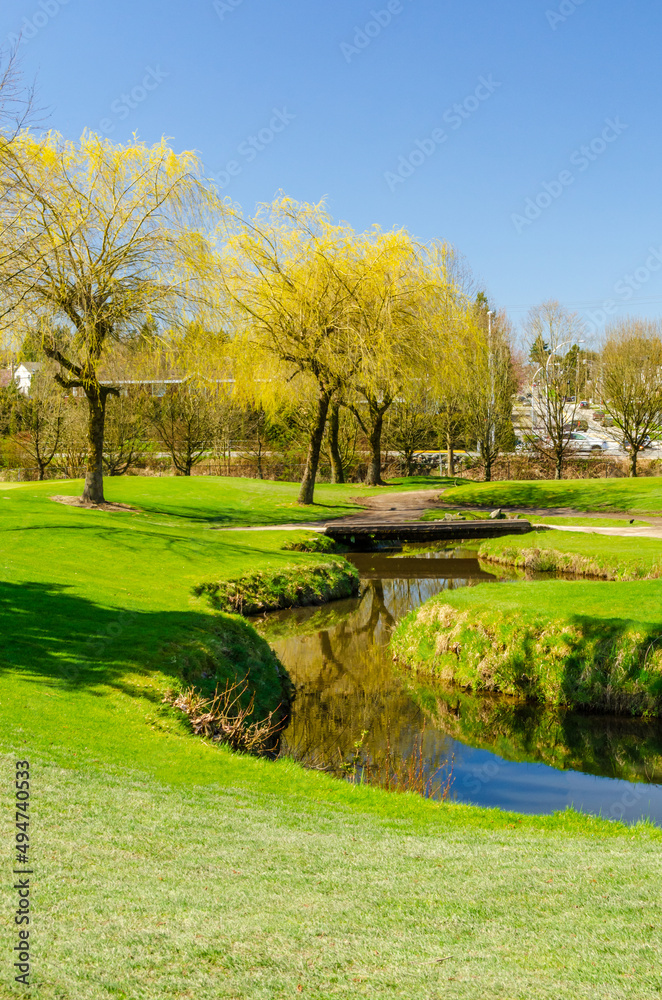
point(392, 279)
point(116, 240)
point(287, 273)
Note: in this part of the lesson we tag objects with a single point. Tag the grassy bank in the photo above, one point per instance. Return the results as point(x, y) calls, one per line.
point(610, 557)
point(641, 496)
point(584, 645)
point(291, 587)
point(99, 597)
point(169, 867)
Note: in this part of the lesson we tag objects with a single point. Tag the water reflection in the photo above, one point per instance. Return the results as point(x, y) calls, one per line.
point(528, 758)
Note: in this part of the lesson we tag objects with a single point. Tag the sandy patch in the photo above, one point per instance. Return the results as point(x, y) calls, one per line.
point(78, 502)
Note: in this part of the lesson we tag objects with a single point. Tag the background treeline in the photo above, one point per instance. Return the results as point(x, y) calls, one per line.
point(173, 333)
point(169, 323)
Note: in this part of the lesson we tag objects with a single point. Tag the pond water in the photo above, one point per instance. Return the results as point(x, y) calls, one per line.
point(531, 759)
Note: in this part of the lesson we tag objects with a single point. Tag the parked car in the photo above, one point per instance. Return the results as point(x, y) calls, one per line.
point(576, 425)
point(584, 405)
point(582, 443)
point(646, 443)
point(527, 443)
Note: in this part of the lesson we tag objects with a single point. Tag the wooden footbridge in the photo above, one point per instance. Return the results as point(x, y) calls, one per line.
point(362, 532)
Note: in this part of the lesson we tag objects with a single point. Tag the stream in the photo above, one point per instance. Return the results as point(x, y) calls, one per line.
point(496, 750)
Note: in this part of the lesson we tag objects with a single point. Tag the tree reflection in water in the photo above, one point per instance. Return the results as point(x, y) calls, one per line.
point(339, 660)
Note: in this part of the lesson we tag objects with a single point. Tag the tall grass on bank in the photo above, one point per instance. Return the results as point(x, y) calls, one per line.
point(601, 556)
point(565, 659)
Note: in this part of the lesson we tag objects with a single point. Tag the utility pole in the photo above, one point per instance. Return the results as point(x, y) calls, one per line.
point(491, 371)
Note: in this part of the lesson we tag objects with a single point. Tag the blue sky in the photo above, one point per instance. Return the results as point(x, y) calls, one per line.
point(462, 120)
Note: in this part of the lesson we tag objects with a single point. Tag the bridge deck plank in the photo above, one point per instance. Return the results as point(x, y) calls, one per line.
point(413, 531)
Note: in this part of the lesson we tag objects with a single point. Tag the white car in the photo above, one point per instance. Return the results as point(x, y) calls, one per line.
point(585, 444)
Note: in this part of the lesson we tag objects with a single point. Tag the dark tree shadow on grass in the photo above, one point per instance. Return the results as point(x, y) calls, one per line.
point(54, 637)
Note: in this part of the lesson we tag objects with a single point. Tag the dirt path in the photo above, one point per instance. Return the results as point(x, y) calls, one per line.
point(386, 508)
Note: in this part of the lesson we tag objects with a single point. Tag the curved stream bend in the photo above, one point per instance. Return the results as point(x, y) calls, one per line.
point(526, 758)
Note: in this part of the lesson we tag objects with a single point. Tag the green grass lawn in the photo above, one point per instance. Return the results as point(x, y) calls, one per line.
point(641, 495)
point(565, 521)
point(559, 520)
point(168, 867)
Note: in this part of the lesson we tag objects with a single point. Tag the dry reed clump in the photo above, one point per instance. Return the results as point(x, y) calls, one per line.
point(403, 773)
point(223, 719)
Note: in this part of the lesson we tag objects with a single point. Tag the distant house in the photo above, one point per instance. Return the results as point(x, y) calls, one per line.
point(23, 374)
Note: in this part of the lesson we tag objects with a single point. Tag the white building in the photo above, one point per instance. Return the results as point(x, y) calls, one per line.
point(23, 374)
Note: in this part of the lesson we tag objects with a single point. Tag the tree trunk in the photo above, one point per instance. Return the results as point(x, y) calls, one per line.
point(307, 488)
point(93, 491)
point(451, 456)
point(488, 468)
point(337, 472)
point(634, 454)
point(558, 474)
point(374, 476)
point(260, 474)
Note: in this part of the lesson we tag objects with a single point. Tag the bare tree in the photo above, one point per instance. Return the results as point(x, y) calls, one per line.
point(183, 420)
point(489, 384)
point(630, 382)
point(125, 437)
point(16, 111)
point(550, 328)
point(73, 449)
point(38, 422)
point(342, 440)
point(411, 427)
point(226, 417)
point(17, 104)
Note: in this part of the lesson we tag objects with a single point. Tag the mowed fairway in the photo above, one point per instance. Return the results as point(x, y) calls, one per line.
point(166, 867)
point(640, 496)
